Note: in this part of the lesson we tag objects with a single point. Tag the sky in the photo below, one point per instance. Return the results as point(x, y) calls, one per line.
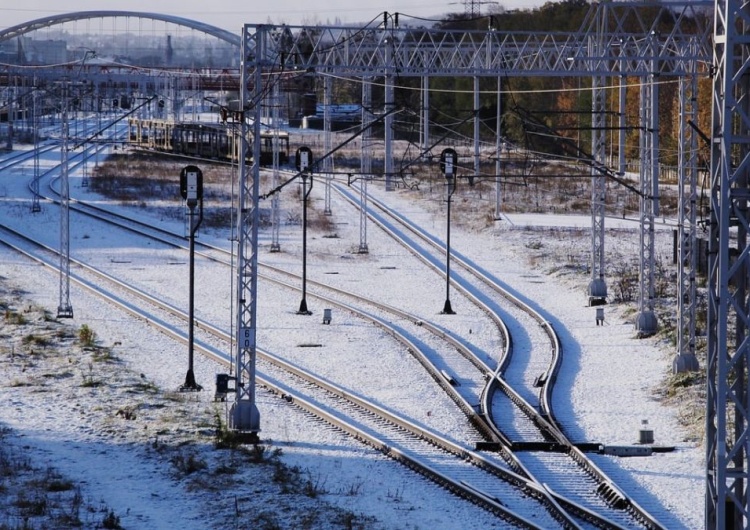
point(232, 14)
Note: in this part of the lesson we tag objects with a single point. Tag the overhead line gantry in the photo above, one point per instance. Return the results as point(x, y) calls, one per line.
point(616, 40)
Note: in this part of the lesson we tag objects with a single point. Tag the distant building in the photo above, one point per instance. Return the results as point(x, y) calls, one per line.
point(25, 50)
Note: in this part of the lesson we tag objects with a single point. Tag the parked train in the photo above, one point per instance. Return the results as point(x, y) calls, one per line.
point(203, 140)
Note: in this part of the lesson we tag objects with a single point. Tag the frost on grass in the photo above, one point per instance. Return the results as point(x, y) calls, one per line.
point(48, 364)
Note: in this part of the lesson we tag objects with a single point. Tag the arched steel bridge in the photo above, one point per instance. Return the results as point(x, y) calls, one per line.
point(106, 66)
point(54, 20)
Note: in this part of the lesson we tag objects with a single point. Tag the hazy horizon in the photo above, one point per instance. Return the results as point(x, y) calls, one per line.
point(231, 15)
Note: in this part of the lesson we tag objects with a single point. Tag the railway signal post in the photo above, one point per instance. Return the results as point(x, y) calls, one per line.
point(304, 165)
point(448, 159)
point(191, 189)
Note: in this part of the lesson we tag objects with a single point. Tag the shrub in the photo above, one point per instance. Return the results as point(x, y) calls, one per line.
point(13, 317)
point(224, 438)
point(313, 486)
point(111, 521)
point(189, 463)
point(34, 340)
point(89, 381)
point(34, 506)
point(86, 336)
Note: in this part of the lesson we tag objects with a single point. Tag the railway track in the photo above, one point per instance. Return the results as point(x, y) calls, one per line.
point(518, 397)
point(464, 472)
point(505, 489)
point(496, 371)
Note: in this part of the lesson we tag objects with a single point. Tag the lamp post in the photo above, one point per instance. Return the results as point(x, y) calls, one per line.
point(304, 164)
point(448, 159)
point(191, 189)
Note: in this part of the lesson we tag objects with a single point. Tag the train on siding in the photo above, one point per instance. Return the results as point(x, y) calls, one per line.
point(202, 140)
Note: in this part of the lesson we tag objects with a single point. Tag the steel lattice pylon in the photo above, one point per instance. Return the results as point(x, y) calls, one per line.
point(597, 289)
point(646, 323)
point(276, 179)
point(244, 415)
point(327, 166)
point(613, 34)
point(727, 433)
point(499, 144)
point(35, 205)
point(388, 106)
point(365, 164)
point(685, 360)
point(64, 309)
point(424, 124)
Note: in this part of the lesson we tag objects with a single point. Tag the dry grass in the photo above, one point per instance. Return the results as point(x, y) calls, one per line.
point(178, 430)
point(146, 179)
point(34, 495)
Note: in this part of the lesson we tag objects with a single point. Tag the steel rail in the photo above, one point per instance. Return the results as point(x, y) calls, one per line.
point(613, 495)
point(546, 422)
point(477, 496)
point(478, 421)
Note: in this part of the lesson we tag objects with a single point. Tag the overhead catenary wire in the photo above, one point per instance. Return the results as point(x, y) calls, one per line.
point(343, 144)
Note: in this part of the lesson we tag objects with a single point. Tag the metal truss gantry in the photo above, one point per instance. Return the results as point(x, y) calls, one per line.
point(388, 52)
point(727, 422)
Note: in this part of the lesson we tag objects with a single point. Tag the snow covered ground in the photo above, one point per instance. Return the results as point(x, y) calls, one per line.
point(137, 467)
